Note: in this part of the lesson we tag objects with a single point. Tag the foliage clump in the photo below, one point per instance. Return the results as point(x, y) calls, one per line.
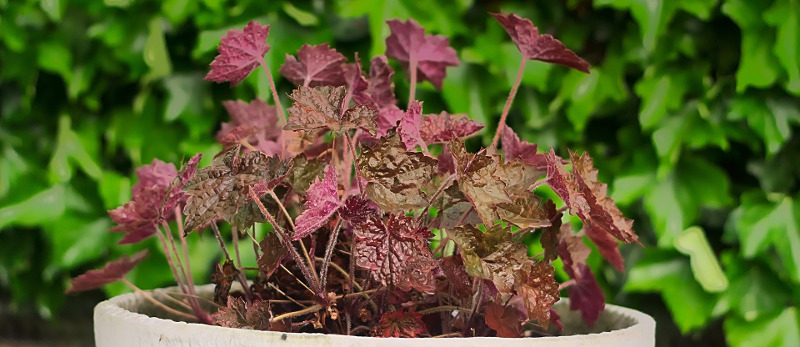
point(370, 232)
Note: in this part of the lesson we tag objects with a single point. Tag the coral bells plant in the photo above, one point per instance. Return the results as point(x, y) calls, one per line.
point(368, 231)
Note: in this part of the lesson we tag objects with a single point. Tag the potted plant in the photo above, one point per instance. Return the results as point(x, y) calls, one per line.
point(380, 222)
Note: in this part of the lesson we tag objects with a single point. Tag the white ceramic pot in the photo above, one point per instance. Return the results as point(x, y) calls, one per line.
point(123, 321)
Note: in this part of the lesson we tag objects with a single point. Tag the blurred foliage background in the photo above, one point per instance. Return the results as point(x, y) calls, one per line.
point(691, 113)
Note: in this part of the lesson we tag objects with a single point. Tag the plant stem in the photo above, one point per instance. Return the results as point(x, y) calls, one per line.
point(438, 192)
point(158, 303)
point(507, 107)
point(444, 308)
point(275, 99)
point(355, 161)
point(282, 207)
point(221, 242)
point(171, 264)
point(412, 70)
point(323, 271)
point(286, 242)
point(341, 271)
point(306, 310)
point(566, 284)
point(242, 277)
point(180, 266)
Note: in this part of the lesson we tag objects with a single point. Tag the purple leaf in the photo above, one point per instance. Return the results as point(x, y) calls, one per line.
point(400, 324)
point(585, 295)
point(506, 320)
point(513, 148)
point(321, 107)
point(112, 272)
point(240, 52)
point(607, 246)
point(256, 122)
point(357, 210)
point(409, 126)
point(315, 66)
point(539, 47)
point(176, 197)
point(432, 53)
point(443, 127)
point(322, 201)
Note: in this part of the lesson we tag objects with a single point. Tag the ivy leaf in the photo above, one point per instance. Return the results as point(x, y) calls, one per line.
point(535, 283)
point(315, 66)
point(432, 53)
point(780, 329)
point(409, 127)
point(513, 148)
point(240, 314)
point(586, 197)
point(539, 47)
point(400, 324)
point(321, 107)
point(322, 201)
point(240, 52)
point(506, 320)
point(272, 253)
point(223, 278)
point(444, 127)
point(397, 253)
point(138, 217)
point(255, 122)
point(785, 16)
point(395, 176)
point(221, 189)
point(112, 272)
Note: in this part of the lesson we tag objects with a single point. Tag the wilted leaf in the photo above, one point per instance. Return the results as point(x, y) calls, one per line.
point(431, 53)
point(240, 52)
point(315, 66)
point(539, 47)
point(396, 176)
point(272, 253)
point(506, 320)
point(241, 315)
point(304, 172)
point(534, 281)
point(321, 107)
point(396, 251)
point(443, 127)
point(400, 324)
point(223, 278)
point(112, 272)
point(322, 201)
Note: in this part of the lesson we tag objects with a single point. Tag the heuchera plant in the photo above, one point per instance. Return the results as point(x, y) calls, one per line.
point(352, 196)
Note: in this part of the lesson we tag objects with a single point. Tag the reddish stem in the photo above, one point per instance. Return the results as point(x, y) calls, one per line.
point(412, 70)
point(507, 107)
point(275, 99)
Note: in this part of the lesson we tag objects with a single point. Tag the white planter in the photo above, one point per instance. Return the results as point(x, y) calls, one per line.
point(119, 322)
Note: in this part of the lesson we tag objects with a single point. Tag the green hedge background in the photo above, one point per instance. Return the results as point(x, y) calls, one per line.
point(691, 113)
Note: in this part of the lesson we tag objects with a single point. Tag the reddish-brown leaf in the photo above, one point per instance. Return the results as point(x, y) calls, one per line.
point(492, 255)
point(400, 324)
point(443, 127)
point(322, 201)
point(585, 295)
point(539, 47)
point(242, 315)
point(357, 210)
point(539, 290)
point(223, 278)
point(432, 53)
point(315, 66)
point(256, 122)
point(112, 272)
point(397, 253)
point(513, 148)
point(272, 253)
point(409, 126)
point(321, 107)
point(457, 279)
point(240, 52)
point(506, 320)
point(607, 246)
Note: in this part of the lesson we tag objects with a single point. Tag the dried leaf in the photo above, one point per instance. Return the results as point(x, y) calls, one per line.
point(400, 324)
point(397, 253)
point(112, 272)
point(432, 53)
point(396, 176)
point(506, 320)
point(443, 127)
point(492, 255)
point(322, 201)
point(240, 52)
point(539, 47)
point(272, 253)
point(321, 107)
point(304, 172)
point(535, 283)
point(315, 66)
point(223, 278)
point(241, 315)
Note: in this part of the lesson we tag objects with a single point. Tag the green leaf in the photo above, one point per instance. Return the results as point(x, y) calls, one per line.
point(755, 291)
point(377, 12)
point(660, 95)
point(757, 66)
point(76, 239)
point(12, 167)
point(671, 275)
point(54, 8)
point(70, 150)
point(705, 267)
point(780, 330)
point(302, 17)
point(115, 189)
point(177, 10)
point(185, 93)
point(772, 127)
point(784, 15)
point(156, 55)
point(55, 56)
point(41, 207)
